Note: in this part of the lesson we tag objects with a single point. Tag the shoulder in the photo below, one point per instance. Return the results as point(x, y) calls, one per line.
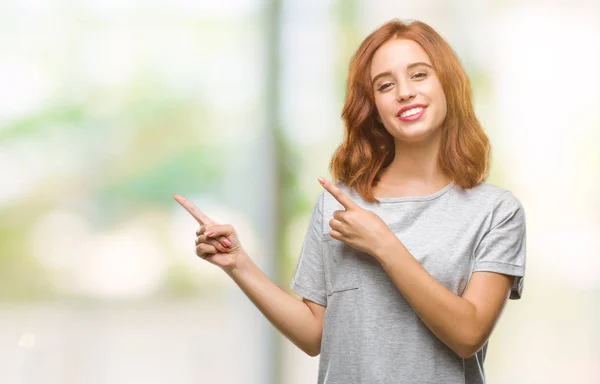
point(490, 195)
point(500, 204)
point(330, 204)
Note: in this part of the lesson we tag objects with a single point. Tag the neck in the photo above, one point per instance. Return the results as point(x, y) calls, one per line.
point(416, 163)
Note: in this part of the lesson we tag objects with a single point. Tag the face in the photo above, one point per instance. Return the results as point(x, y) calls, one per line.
point(408, 94)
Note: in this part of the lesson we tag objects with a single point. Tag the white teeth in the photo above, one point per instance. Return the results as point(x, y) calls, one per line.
point(411, 112)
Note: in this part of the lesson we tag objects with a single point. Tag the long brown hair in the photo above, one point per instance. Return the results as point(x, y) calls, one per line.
point(368, 148)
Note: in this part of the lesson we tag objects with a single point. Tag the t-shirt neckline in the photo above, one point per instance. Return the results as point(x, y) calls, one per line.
point(417, 198)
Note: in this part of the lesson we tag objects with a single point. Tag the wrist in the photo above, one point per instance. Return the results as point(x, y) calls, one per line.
point(241, 265)
point(386, 247)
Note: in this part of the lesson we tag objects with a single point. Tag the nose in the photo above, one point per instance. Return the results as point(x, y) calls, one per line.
point(405, 91)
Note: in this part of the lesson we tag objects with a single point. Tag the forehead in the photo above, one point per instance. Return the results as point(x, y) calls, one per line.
point(397, 54)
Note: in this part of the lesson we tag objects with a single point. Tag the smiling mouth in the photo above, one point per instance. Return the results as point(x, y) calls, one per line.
point(411, 112)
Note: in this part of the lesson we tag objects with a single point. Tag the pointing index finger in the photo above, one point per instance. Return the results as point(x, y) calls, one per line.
point(337, 193)
point(193, 210)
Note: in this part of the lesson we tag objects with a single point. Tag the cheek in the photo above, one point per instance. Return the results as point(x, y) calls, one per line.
point(443, 106)
point(383, 106)
point(440, 99)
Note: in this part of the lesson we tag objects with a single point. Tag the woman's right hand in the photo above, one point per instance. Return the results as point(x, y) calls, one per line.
point(219, 245)
point(216, 243)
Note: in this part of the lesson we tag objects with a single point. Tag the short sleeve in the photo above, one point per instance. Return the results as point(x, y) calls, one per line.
point(502, 249)
point(309, 277)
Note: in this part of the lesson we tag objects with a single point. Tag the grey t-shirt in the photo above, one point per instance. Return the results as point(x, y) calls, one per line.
point(371, 334)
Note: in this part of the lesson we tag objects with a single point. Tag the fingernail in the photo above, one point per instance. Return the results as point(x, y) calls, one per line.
point(209, 233)
point(227, 242)
point(321, 180)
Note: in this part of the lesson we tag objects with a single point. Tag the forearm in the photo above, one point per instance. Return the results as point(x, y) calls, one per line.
point(289, 315)
point(450, 318)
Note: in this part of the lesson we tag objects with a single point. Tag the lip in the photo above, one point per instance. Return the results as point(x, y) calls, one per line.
point(413, 117)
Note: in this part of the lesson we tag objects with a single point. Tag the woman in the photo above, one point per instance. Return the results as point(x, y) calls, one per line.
point(410, 257)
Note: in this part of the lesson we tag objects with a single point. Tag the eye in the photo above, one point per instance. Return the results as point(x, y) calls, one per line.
point(384, 86)
point(419, 75)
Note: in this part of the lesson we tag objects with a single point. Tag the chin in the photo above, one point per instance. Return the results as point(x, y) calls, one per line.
point(414, 134)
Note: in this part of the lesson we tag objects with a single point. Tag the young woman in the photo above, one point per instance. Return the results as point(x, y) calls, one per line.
point(410, 256)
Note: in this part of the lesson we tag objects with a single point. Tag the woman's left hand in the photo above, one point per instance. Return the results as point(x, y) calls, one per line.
point(355, 226)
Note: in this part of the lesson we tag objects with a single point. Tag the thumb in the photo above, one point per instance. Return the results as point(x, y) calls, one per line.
point(216, 230)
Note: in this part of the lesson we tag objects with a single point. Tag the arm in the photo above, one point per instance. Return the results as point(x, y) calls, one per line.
point(462, 323)
point(300, 321)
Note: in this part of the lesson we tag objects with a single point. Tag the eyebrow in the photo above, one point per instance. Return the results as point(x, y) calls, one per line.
point(410, 66)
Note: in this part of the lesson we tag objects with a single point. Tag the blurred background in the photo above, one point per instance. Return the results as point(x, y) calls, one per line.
point(108, 107)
